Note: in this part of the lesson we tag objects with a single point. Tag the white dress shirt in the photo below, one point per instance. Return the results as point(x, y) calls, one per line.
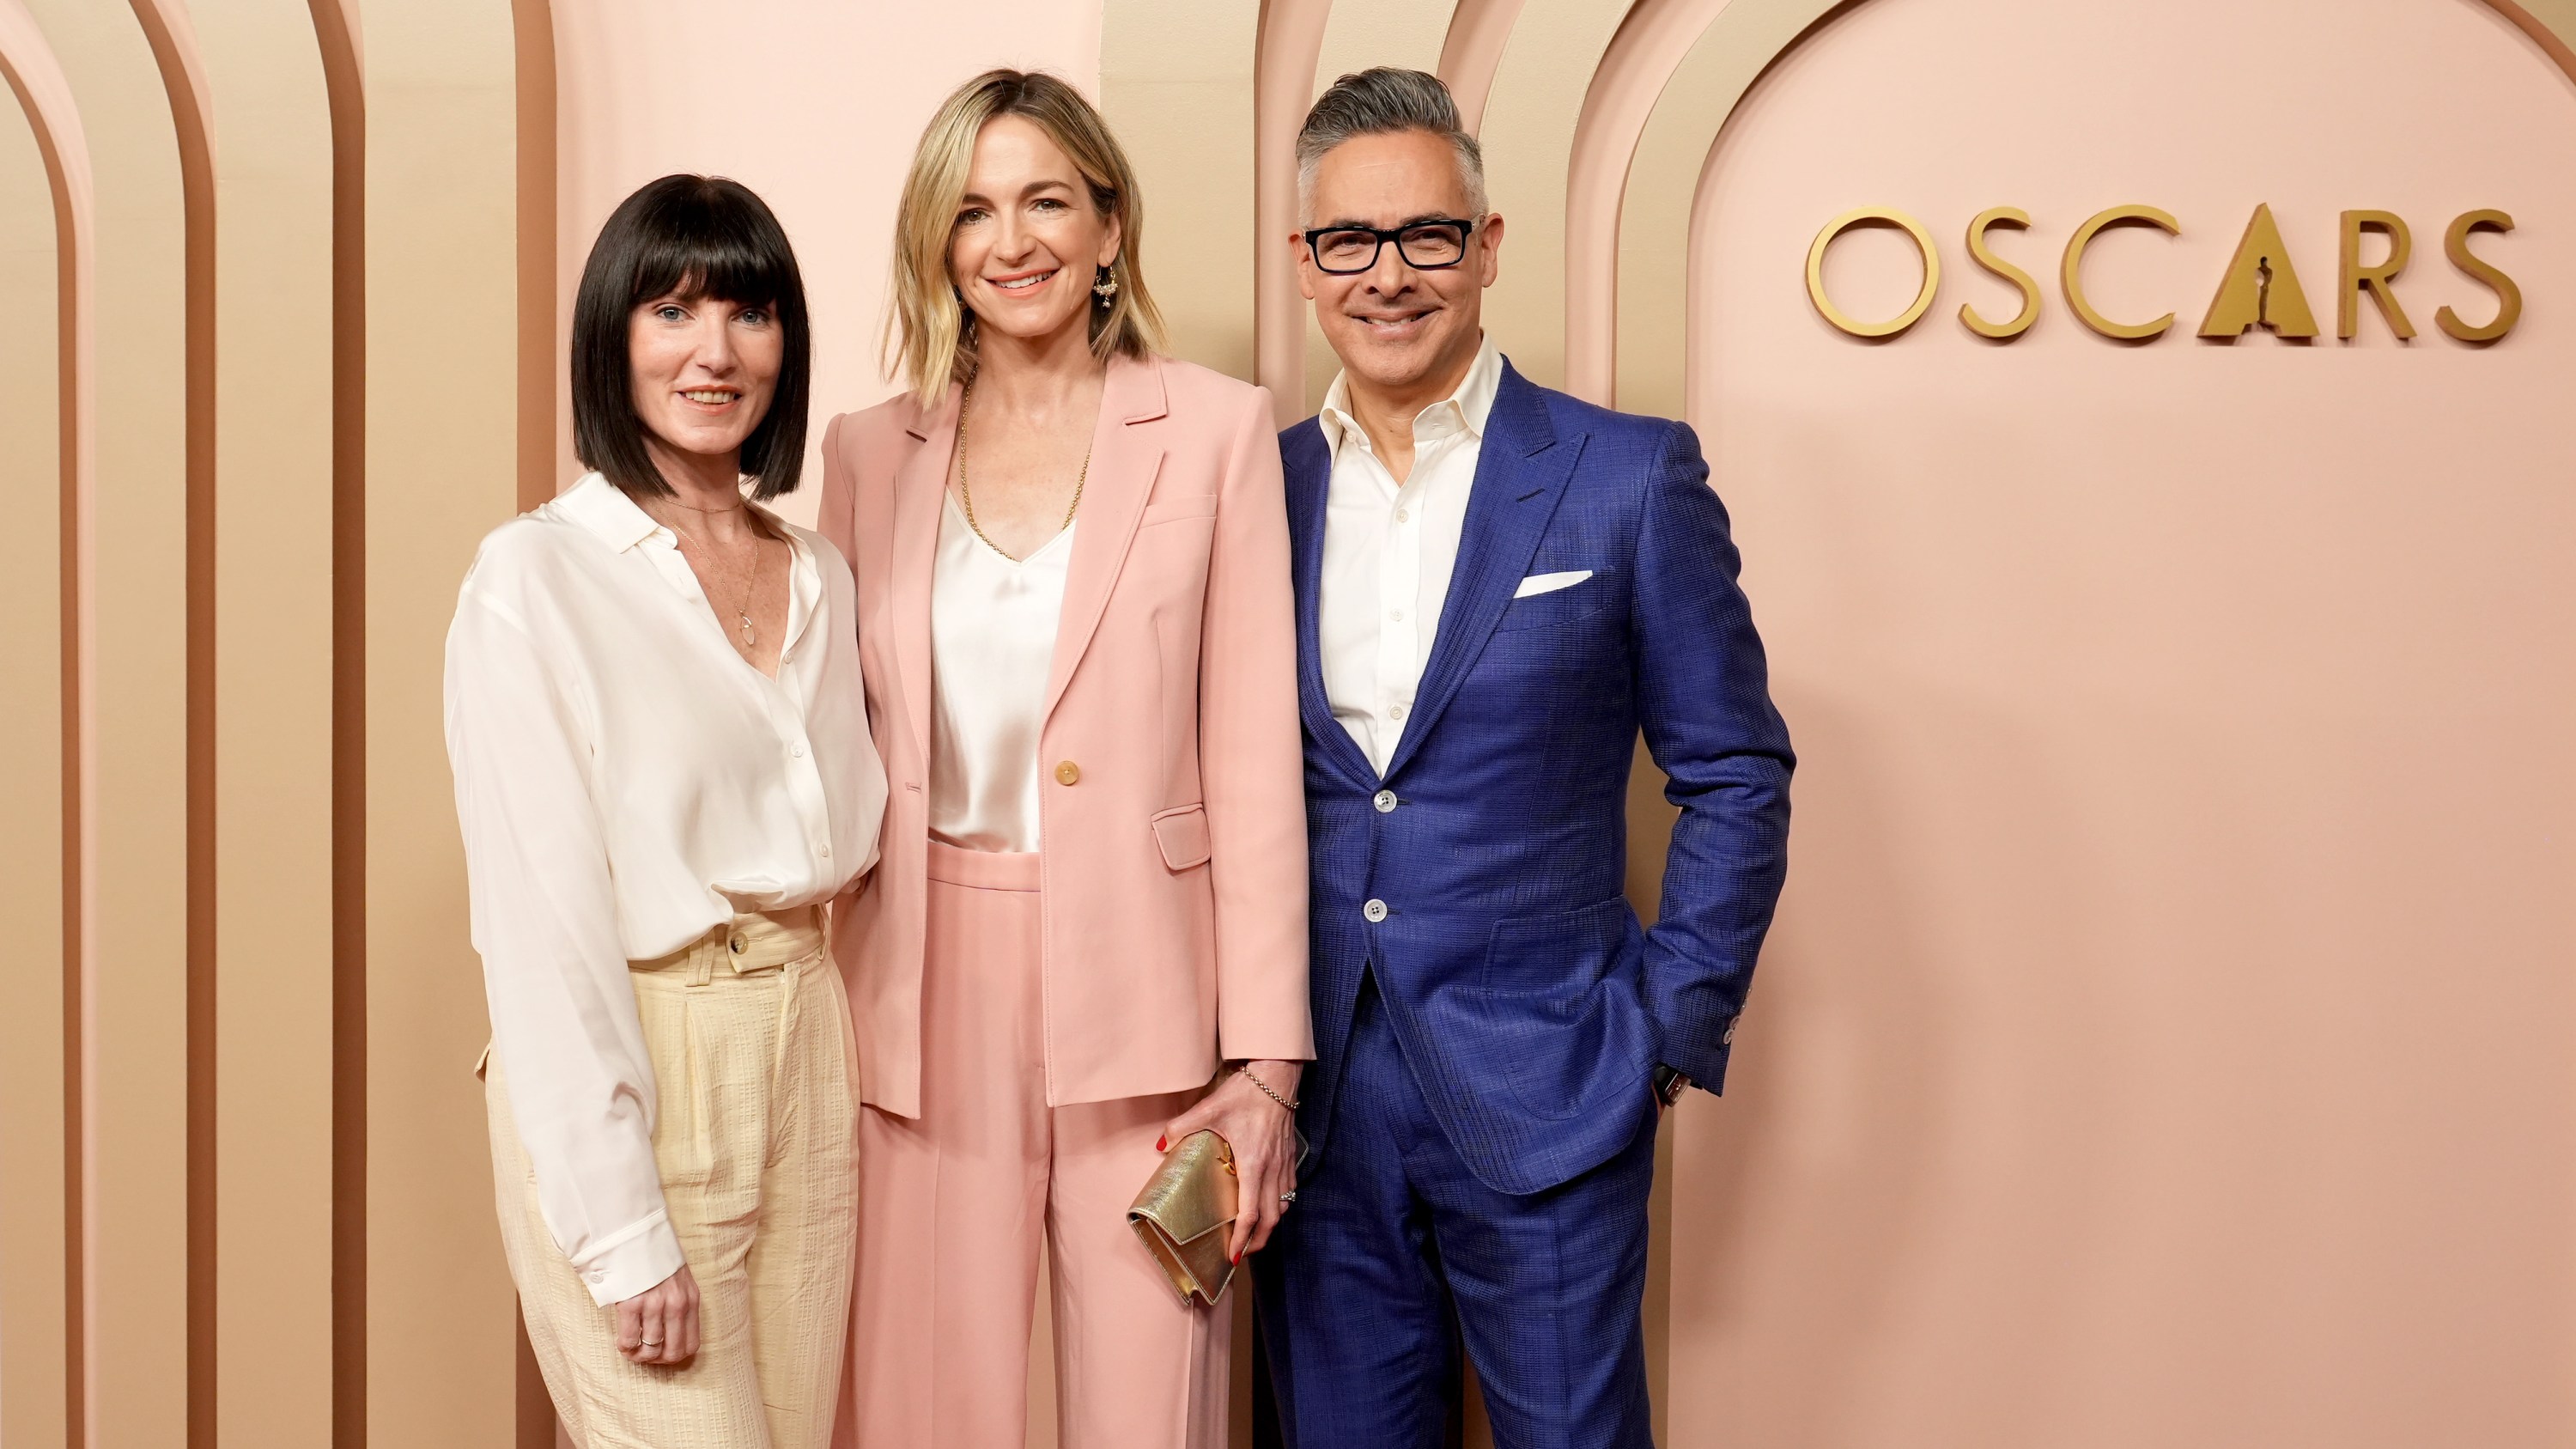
point(626, 782)
point(1389, 551)
point(992, 640)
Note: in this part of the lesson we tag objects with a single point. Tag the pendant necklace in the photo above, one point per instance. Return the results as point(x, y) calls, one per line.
point(751, 576)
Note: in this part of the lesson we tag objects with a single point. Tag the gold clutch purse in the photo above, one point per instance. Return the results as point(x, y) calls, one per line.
point(1186, 1214)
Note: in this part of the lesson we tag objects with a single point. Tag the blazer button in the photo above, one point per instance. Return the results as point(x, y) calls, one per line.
point(1068, 773)
point(1375, 910)
point(1385, 802)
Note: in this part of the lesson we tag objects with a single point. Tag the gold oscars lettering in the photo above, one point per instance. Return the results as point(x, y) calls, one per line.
point(2260, 287)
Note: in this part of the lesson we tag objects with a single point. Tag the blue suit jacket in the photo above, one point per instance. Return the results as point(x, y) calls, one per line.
point(1529, 1002)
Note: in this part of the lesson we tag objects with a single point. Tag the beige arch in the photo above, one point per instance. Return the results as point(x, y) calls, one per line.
point(1478, 32)
point(126, 1070)
point(1633, 76)
point(1177, 81)
point(46, 1285)
point(167, 27)
point(261, 1240)
point(1538, 93)
point(1292, 38)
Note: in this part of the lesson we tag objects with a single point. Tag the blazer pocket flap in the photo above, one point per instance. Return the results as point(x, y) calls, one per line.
point(1537, 584)
point(1183, 834)
point(1166, 510)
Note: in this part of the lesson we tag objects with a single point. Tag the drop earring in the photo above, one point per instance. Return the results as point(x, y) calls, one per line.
point(1106, 288)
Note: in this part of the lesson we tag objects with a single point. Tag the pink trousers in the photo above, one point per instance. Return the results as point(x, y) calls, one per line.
point(952, 1203)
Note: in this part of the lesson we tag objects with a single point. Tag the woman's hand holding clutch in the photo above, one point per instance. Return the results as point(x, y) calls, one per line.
point(1254, 1118)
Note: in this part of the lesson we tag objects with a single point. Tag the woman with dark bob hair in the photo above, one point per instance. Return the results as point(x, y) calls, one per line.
point(664, 773)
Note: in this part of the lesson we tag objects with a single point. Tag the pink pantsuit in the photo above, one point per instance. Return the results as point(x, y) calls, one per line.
point(1027, 1022)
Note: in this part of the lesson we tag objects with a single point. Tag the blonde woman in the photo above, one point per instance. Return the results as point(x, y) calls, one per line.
point(1075, 624)
point(663, 771)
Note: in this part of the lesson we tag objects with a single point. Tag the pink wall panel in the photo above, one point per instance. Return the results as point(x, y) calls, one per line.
point(815, 104)
point(2165, 1036)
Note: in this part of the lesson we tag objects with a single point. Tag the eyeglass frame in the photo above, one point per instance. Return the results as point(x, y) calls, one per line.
point(1395, 234)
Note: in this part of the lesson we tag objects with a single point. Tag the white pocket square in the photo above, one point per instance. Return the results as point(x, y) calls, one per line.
point(1550, 583)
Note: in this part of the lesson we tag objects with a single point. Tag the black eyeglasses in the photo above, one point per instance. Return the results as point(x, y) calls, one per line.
point(1425, 245)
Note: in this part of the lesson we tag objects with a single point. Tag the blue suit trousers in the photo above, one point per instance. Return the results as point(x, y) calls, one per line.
point(1395, 1252)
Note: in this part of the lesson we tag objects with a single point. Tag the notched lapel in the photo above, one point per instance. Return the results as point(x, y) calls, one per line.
point(1124, 459)
point(920, 488)
point(1521, 474)
point(1309, 467)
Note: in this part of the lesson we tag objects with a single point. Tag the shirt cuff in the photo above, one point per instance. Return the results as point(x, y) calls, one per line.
point(632, 1261)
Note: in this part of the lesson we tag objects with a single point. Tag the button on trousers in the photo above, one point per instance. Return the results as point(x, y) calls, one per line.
point(755, 1134)
point(953, 1204)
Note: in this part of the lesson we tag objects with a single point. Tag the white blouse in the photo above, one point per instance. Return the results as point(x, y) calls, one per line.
point(626, 782)
point(992, 640)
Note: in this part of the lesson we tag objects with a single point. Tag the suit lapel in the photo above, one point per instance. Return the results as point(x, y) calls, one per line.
point(1124, 459)
point(920, 492)
point(1521, 472)
point(1309, 466)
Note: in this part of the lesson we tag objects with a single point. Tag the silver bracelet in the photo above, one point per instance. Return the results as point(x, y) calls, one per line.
point(1246, 1074)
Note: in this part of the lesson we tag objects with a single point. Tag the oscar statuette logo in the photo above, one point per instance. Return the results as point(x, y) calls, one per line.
point(2260, 287)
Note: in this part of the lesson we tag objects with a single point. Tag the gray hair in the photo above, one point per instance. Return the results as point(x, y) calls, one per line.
point(1384, 101)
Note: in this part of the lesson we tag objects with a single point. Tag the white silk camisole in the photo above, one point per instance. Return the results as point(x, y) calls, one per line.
point(992, 640)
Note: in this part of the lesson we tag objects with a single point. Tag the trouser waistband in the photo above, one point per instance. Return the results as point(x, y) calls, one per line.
point(991, 870)
point(747, 944)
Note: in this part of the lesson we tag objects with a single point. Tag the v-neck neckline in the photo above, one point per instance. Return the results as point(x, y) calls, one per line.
point(986, 544)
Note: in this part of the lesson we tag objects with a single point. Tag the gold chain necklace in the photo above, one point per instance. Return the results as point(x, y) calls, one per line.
point(965, 406)
point(751, 577)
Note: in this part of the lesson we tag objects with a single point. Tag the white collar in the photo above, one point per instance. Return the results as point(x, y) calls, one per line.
point(1467, 409)
point(603, 508)
point(619, 521)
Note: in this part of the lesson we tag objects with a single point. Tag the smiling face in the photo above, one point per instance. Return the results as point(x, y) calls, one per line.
point(1397, 327)
point(1028, 241)
point(704, 371)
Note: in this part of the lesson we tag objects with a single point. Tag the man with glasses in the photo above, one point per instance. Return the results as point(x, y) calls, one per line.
point(1498, 588)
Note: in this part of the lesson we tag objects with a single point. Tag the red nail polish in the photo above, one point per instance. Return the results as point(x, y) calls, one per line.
point(1237, 1258)
point(1163, 1143)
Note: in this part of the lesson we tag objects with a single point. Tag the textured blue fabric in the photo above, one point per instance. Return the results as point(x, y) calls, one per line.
point(1529, 1002)
point(1394, 1251)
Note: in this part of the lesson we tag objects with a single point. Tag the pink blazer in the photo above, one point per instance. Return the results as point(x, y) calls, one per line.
point(1174, 871)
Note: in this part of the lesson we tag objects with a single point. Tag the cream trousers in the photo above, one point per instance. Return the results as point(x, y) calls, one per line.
point(757, 1138)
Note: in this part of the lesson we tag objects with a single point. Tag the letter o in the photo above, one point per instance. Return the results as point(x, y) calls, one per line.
point(1866, 216)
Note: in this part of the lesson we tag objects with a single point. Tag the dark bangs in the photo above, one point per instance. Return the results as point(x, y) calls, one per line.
point(690, 236)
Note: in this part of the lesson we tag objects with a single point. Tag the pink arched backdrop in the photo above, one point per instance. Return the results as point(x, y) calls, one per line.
point(2165, 1039)
point(2165, 1035)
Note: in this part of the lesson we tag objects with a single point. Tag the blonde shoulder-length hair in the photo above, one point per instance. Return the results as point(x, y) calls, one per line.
point(930, 337)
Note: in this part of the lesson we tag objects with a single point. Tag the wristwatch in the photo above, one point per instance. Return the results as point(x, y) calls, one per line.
point(1669, 1084)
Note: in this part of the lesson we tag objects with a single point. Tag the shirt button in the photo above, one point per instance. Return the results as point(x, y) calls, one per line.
point(1396, 713)
point(1385, 802)
point(737, 943)
point(593, 1276)
point(824, 850)
point(797, 750)
point(1068, 773)
point(1375, 910)
point(1403, 517)
point(1397, 616)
